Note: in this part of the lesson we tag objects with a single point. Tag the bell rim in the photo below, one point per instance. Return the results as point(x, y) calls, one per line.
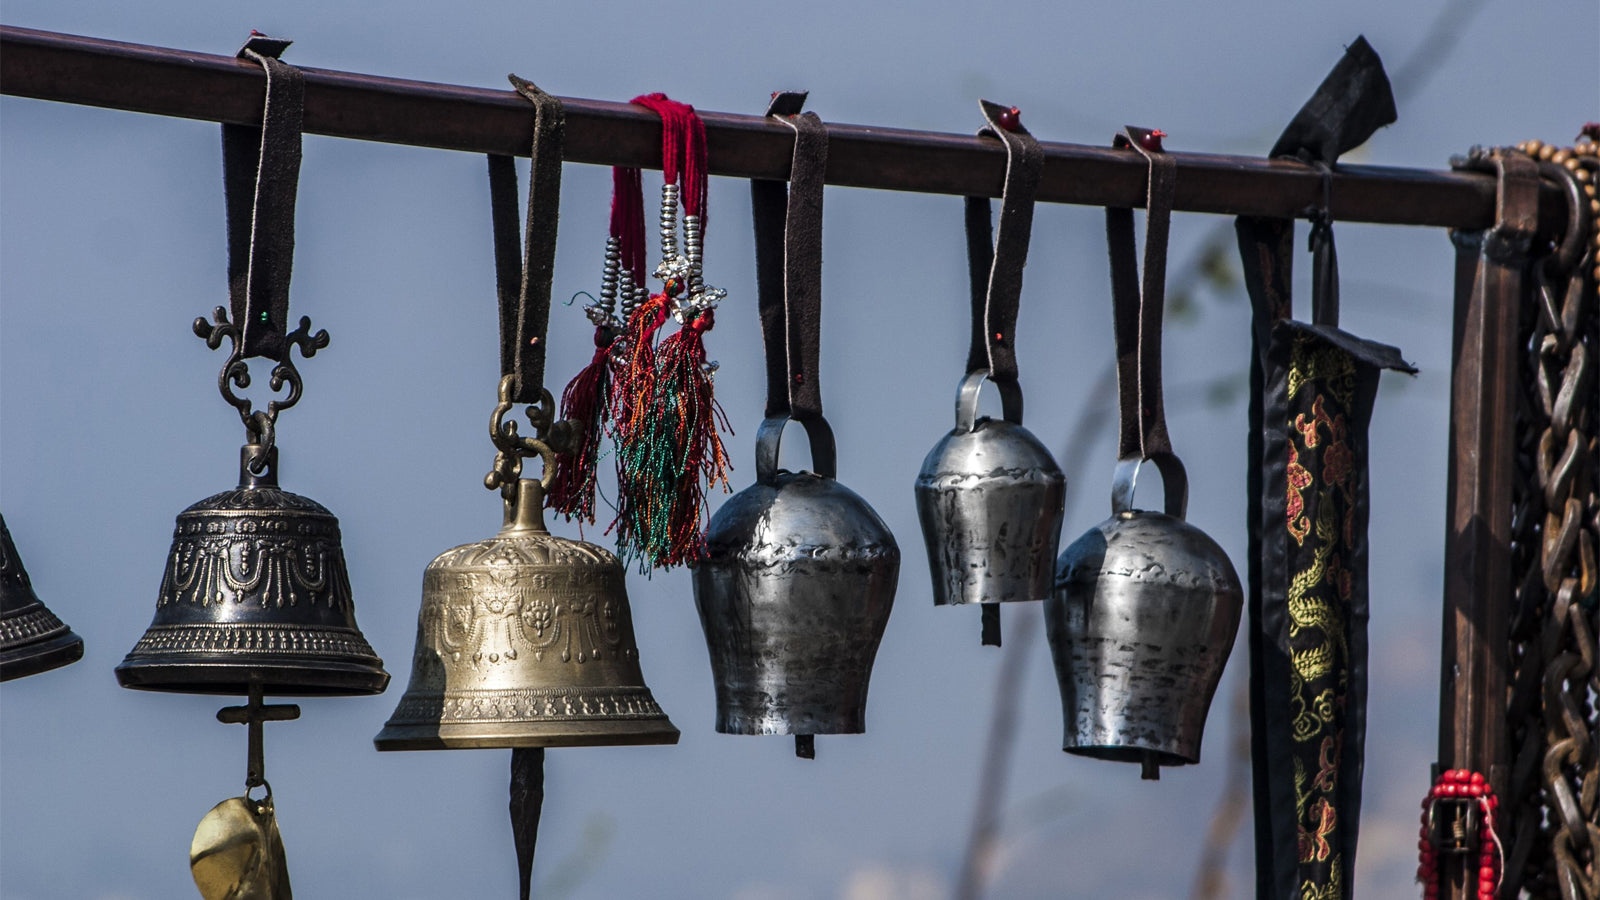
point(58, 650)
point(1131, 753)
point(283, 677)
point(641, 732)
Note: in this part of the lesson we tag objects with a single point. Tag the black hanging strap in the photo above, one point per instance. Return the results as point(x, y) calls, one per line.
point(523, 279)
point(996, 263)
point(1137, 313)
point(788, 230)
point(260, 171)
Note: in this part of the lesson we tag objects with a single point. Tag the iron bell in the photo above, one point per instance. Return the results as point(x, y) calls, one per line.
point(32, 639)
point(1140, 624)
point(991, 499)
point(525, 640)
point(794, 594)
point(255, 592)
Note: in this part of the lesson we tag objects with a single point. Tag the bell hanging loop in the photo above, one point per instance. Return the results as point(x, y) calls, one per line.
point(32, 639)
point(991, 499)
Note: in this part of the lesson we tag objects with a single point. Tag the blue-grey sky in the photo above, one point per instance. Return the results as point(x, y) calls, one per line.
point(112, 241)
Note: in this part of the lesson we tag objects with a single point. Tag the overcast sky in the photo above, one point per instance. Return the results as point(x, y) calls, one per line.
point(112, 241)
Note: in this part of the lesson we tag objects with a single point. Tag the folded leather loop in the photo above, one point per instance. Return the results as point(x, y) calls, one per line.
point(1324, 256)
point(1142, 431)
point(997, 270)
point(523, 280)
point(789, 265)
point(260, 171)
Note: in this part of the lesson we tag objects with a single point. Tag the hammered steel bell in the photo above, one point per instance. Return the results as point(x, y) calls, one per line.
point(1140, 624)
point(525, 640)
point(991, 500)
point(255, 593)
point(32, 639)
point(794, 594)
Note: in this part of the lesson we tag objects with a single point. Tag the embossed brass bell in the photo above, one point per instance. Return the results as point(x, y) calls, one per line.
point(1141, 622)
point(525, 640)
point(991, 500)
point(794, 594)
point(255, 592)
point(32, 639)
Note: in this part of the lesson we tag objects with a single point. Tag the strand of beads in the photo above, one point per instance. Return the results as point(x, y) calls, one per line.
point(1471, 786)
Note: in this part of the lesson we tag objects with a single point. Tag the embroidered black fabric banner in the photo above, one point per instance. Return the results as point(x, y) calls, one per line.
point(1309, 581)
point(1311, 393)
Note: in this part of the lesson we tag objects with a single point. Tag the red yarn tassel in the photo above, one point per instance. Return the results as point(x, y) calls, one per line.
point(695, 456)
point(587, 401)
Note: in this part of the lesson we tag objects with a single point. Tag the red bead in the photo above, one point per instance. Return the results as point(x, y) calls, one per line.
point(1424, 845)
point(1477, 778)
point(1430, 890)
point(1152, 140)
point(1474, 790)
point(1009, 119)
point(1422, 832)
point(1486, 873)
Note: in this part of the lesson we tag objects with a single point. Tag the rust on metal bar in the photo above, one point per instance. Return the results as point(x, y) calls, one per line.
point(50, 66)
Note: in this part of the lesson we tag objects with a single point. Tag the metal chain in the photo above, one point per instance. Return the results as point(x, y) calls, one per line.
point(1553, 790)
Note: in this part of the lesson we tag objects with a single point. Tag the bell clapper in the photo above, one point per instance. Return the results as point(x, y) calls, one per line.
point(991, 624)
point(252, 715)
point(1149, 768)
point(805, 746)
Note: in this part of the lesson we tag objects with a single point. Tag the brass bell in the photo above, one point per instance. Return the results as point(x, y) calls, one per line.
point(255, 593)
point(525, 640)
point(1141, 622)
point(991, 499)
point(794, 594)
point(32, 639)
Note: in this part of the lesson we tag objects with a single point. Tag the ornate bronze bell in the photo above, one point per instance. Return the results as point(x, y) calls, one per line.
point(255, 592)
point(794, 595)
point(32, 639)
point(525, 640)
point(1141, 623)
point(991, 500)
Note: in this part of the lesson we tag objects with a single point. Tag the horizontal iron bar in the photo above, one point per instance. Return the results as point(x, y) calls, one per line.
point(50, 66)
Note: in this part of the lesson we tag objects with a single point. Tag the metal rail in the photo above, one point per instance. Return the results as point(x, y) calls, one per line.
point(50, 66)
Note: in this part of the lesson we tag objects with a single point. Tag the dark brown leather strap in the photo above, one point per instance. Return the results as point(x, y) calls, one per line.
point(523, 277)
point(260, 171)
point(996, 271)
point(1137, 313)
point(1324, 256)
point(788, 230)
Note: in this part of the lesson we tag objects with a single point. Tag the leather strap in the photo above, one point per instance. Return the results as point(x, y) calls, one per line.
point(523, 278)
point(260, 171)
point(996, 270)
point(1324, 256)
point(1137, 313)
point(788, 230)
